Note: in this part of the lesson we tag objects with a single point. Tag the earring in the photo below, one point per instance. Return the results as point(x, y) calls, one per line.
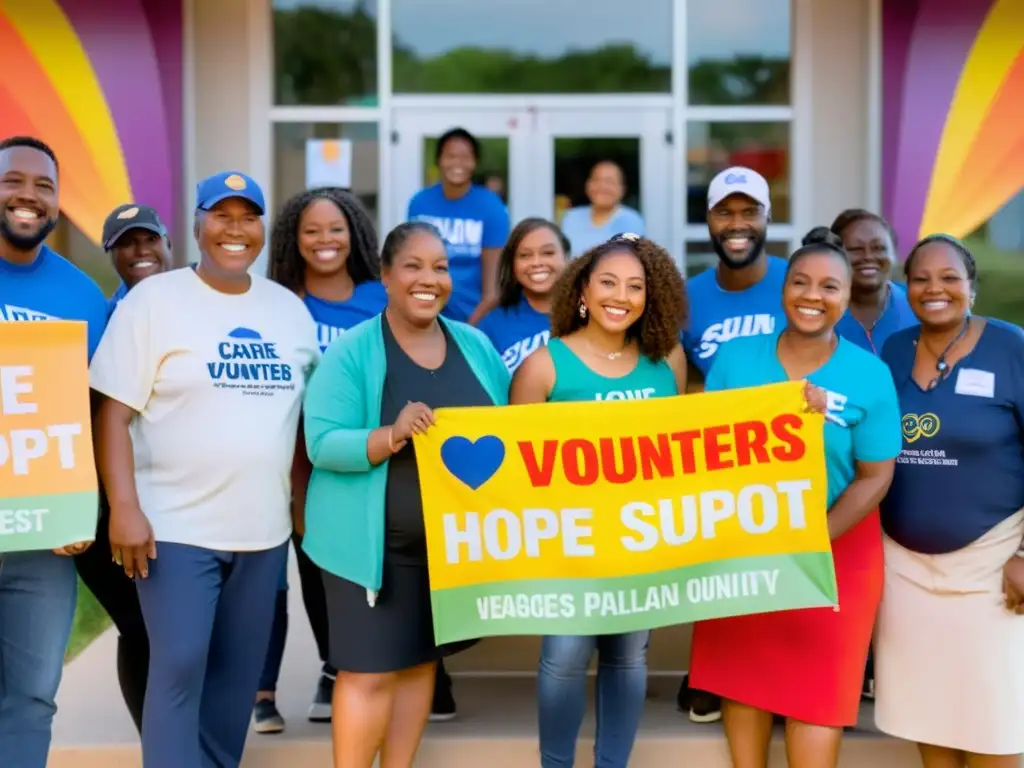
point(583, 311)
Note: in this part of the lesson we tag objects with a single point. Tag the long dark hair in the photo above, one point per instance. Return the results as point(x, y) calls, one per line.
point(511, 292)
point(286, 265)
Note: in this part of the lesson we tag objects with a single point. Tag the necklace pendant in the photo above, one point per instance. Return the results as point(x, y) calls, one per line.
point(941, 366)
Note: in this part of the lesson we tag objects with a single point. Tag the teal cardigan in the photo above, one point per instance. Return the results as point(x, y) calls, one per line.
point(345, 501)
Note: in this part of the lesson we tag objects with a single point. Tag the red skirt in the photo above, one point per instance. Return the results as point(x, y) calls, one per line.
point(806, 664)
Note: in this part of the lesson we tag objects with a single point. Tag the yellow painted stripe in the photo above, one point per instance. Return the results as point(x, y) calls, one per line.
point(49, 35)
point(996, 47)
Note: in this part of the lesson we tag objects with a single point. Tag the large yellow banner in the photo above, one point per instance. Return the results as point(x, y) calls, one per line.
point(601, 517)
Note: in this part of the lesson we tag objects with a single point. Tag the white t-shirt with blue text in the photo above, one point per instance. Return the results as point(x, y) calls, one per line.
point(718, 316)
point(217, 381)
point(469, 224)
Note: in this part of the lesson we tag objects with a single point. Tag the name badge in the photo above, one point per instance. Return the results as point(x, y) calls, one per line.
point(976, 383)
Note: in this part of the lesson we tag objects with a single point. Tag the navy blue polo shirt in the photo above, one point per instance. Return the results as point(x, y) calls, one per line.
point(961, 470)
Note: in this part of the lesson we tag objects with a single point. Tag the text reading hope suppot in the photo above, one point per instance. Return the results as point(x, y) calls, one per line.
point(502, 534)
point(20, 447)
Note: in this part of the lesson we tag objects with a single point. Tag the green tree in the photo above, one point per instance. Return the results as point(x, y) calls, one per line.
point(325, 57)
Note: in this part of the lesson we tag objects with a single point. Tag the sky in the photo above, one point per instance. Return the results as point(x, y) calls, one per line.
point(718, 29)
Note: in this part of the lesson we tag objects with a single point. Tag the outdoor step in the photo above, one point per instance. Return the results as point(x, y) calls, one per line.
point(497, 727)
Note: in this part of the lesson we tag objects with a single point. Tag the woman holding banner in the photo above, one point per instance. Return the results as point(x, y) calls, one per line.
point(954, 520)
point(617, 313)
point(377, 386)
point(529, 265)
point(752, 661)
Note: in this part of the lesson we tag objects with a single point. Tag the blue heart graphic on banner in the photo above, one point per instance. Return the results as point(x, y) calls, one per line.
point(474, 463)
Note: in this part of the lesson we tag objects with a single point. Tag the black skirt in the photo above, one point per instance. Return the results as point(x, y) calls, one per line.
point(395, 634)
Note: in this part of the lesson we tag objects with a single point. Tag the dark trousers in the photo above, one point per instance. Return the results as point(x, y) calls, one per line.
point(315, 603)
point(209, 616)
point(116, 593)
point(314, 600)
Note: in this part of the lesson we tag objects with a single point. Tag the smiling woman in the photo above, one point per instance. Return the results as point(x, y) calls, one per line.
point(617, 312)
point(233, 368)
point(529, 265)
point(825, 649)
point(229, 230)
point(378, 385)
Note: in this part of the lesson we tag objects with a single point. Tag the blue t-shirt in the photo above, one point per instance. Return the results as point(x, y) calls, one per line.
point(477, 220)
point(896, 316)
point(516, 331)
point(333, 318)
point(115, 299)
point(52, 288)
point(718, 316)
point(863, 419)
point(584, 235)
point(961, 471)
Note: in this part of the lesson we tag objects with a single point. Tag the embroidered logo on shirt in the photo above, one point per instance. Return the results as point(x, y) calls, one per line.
point(917, 426)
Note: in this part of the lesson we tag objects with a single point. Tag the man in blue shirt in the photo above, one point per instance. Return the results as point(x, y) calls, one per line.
point(37, 589)
point(473, 222)
point(139, 245)
point(741, 296)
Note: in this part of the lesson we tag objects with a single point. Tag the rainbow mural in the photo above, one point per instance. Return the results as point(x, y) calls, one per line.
point(953, 112)
point(100, 81)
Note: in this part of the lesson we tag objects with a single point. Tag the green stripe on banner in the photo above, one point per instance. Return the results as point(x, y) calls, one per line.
point(47, 522)
point(629, 603)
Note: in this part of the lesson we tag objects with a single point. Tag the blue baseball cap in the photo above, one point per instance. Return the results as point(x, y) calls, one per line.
point(221, 186)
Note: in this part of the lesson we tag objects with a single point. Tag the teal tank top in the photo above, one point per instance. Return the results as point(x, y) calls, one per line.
point(575, 381)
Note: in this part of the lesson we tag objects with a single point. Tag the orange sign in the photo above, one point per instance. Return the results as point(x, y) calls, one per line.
point(48, 486)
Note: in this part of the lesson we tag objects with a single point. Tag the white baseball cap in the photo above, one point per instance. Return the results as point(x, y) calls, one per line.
point(739, 181)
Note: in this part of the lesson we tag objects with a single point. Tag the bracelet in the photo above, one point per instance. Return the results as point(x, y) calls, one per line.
point(391, 445)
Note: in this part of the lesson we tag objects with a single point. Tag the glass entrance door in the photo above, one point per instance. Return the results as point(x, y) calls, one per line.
point(571, 143)
point(538, 158)
point(504, 146)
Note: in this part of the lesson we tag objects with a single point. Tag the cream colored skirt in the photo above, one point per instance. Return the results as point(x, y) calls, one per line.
point(949, 658)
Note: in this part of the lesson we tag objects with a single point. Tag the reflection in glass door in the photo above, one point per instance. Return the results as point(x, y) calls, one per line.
point(626, 155)
point(501, 138)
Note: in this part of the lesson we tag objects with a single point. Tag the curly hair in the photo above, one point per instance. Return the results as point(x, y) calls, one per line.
point(510, 291)
point(665, 312)
point(286, 265)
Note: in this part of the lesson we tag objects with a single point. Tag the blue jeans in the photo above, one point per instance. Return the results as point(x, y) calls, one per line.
point(562, 696)
point(38, 591)
point(208, 614)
